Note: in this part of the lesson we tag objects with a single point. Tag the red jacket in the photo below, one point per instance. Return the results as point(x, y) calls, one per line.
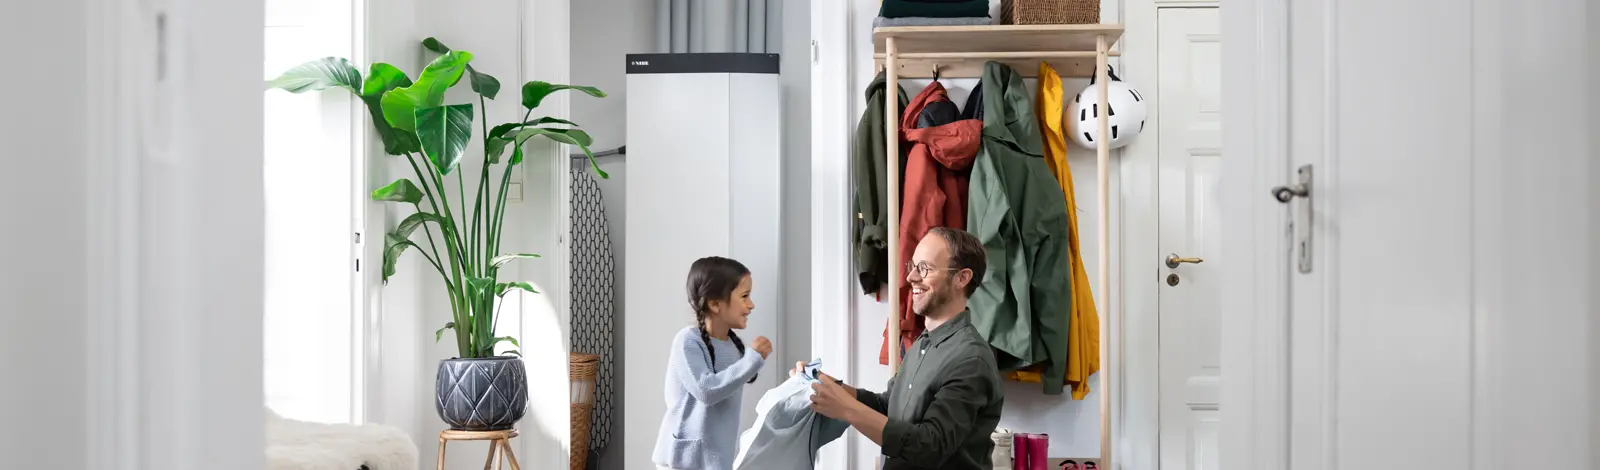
point(934, 192)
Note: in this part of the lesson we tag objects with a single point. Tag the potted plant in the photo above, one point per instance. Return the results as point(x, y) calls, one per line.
point(478, 390)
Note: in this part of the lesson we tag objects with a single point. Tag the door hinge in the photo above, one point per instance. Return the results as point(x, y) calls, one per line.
point(1299, 194)
point(815, 52)
point(358, 265)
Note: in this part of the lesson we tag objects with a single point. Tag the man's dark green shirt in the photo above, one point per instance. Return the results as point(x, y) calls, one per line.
point(943, 404)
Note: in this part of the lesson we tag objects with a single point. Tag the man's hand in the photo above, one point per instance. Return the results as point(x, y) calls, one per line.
point(798, 368)
point(762, 345)
point(833, 400)
point(839, 402)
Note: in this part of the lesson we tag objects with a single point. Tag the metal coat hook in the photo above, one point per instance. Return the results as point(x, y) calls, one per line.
point(936, 72)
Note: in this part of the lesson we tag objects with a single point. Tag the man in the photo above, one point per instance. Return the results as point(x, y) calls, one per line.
point(942, 406)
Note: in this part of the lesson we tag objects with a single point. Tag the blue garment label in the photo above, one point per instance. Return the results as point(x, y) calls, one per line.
point(812, 369)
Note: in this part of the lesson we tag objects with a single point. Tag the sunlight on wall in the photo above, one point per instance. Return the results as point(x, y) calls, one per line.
point(544, 351)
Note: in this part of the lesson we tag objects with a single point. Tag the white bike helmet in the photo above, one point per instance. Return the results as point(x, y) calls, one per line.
point(1127, 112)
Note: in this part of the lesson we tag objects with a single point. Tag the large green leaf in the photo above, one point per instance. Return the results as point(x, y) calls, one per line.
point(415, 220)
point(503, 259)
point(482, 83)
point(400, 105)
point(534, 92)
point(381, 78)
point(565, 136)
point(498, 136)
point(395, 141)
point(444, 132)
point(393, 246)
point(319, 74)
point(401, 190)
point(501, 130)
point(575, 137)
point(506, 287)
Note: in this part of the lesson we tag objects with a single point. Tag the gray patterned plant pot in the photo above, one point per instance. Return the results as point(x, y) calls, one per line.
point(487, 394)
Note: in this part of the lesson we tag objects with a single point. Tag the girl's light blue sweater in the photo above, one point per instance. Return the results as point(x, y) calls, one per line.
point(701, 427)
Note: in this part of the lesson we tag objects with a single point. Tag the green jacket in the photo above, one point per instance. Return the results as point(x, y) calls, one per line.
point(871, 168)
point(1016, 208)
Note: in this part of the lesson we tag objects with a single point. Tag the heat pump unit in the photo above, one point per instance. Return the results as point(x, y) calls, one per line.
point(704, 154)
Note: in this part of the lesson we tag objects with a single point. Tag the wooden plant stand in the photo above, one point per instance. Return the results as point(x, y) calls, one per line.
point(499, 446)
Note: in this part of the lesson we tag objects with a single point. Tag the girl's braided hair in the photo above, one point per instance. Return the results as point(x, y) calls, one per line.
point(714, 278)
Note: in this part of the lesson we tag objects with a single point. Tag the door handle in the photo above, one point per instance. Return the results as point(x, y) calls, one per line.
point(1300, 193)
point(1173, 261)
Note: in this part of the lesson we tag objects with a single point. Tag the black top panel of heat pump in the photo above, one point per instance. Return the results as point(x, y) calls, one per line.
point(710, 62)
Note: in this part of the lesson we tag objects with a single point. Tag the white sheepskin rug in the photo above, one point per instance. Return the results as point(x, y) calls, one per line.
point(301, 445)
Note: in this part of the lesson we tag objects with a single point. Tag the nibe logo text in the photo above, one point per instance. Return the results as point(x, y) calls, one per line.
point(640, 62)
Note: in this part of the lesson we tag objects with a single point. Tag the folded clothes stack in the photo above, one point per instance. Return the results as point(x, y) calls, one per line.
point(880, 22)
point(933, 13)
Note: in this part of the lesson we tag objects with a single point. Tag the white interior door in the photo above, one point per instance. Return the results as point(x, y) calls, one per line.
point(1190, 161)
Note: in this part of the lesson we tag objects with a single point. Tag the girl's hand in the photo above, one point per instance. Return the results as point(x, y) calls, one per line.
point(762, 345)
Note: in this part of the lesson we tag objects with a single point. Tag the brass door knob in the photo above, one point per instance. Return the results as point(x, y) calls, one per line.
point(1173, 261)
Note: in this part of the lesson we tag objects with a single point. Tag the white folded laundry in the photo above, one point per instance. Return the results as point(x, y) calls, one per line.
point(787, 433)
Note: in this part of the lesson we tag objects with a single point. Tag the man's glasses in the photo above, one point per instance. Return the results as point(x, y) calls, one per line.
point(922, 269)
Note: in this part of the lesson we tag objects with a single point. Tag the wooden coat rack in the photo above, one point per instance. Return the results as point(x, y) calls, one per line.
point(960, 52)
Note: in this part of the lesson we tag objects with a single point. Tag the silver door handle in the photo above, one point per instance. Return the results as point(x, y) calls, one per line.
point(1284, 194)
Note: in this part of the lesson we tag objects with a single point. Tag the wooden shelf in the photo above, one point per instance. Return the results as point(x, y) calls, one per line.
point(961, 51)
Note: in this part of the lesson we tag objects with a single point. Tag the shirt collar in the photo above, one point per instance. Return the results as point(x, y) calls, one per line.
point(949, 328)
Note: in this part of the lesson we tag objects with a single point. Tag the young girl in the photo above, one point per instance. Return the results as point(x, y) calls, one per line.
point(709, 366)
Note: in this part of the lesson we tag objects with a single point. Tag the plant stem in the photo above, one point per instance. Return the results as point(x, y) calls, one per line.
point(480, 236)
point(500, 227)
point(439, 268)
point(410, 158)
point(468, 259)
point(458, 300)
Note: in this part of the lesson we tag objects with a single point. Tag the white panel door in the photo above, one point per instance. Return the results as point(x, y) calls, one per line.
point(1190, 161)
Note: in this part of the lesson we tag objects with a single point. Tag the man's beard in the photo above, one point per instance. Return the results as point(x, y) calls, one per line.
point(937, 298)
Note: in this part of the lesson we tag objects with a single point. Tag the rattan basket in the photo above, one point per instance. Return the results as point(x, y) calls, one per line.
point(1049, 11)
point(581, 370)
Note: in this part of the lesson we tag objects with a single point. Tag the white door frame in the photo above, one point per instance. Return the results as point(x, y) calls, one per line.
point(1255, 327)
point(1136, 437)
point(832, 306)
point(545, 55)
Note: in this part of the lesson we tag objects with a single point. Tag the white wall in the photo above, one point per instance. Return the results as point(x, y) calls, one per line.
point(131, 282)
point(58, 195)
point(1073, 425)
point(604, 32)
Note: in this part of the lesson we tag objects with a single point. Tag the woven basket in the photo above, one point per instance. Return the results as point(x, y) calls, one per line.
point(1050, 11)
point(581, 370)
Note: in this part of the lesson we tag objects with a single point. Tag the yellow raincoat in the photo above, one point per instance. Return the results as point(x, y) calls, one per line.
point(1083, 328)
